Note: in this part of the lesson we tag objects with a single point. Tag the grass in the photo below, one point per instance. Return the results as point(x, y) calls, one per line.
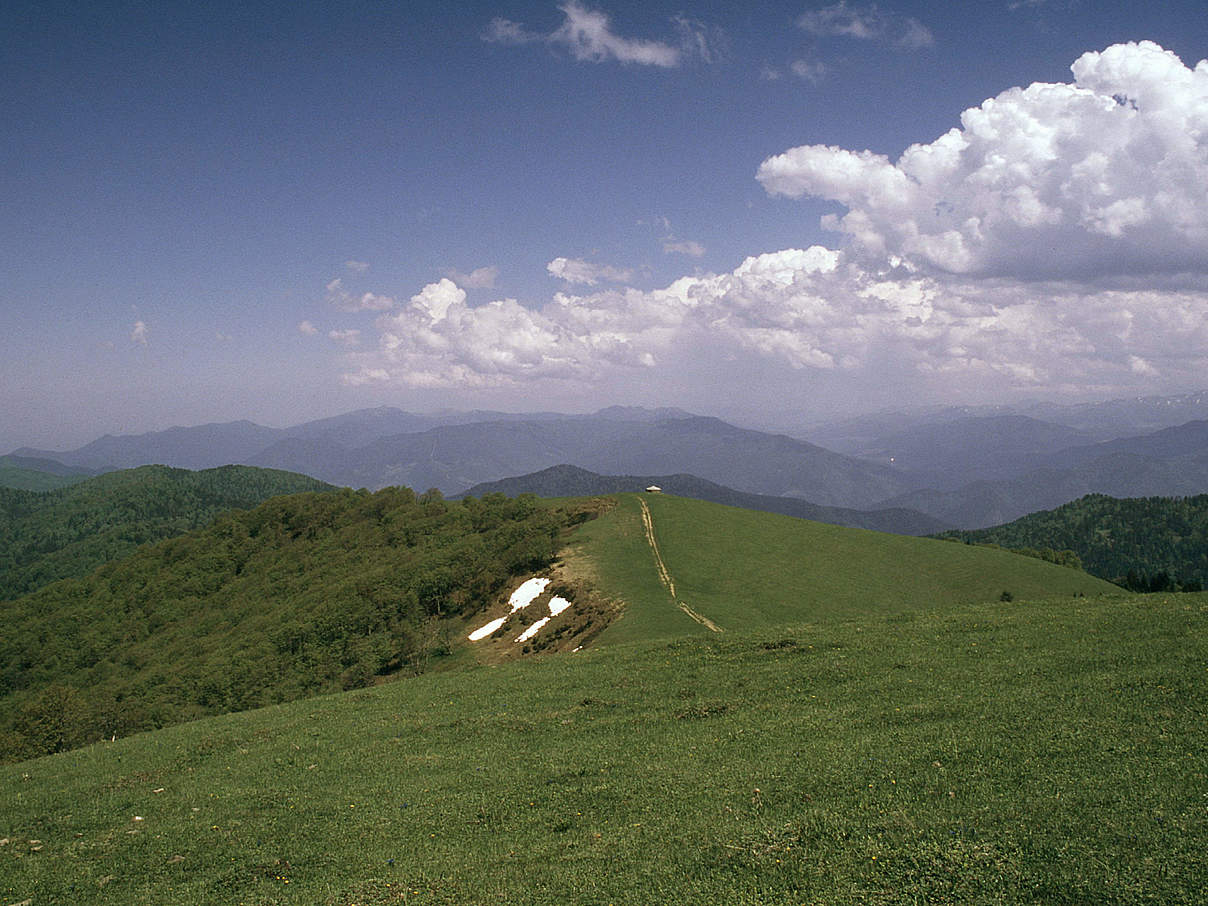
point(742, 568)
point(983, 753)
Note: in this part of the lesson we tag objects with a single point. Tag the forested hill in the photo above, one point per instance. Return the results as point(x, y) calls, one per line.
point(305, 594)
point(45, 536)
point(1146, 543)
point(30, 474)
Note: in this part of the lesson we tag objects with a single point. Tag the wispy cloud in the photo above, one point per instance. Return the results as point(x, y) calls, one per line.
point(479, 278)
point(138, 334)
point(807, 70)
point(576, 270)
point(308, 329)
point(348, 338)
point(866, 23)
point(355, 267)
point(684, 247)
point(589, 36)
point(342, 299)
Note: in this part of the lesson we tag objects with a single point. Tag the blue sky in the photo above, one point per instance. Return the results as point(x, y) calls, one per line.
point(283, 211)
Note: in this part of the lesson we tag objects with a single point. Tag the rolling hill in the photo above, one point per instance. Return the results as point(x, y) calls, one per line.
point(744, 569)
point(784, 711)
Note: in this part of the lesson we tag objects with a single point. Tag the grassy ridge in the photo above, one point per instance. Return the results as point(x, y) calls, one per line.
point(995, 753)
point(741, 568)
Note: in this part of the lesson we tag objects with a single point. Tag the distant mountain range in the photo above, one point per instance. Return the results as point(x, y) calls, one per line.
point(1098, 420)
point(962, 467)
point(571, 481)
point(1171, 462)
point(457, 451)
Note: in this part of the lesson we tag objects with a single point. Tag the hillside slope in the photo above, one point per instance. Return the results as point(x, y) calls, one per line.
point(304, 594)
point(744, 569)
point(985, 754)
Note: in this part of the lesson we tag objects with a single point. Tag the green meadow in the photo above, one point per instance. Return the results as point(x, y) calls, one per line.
point(989, 753)
point(745, 569)
point(873, 725)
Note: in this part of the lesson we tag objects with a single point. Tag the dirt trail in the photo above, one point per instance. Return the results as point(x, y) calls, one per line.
point(664, 575)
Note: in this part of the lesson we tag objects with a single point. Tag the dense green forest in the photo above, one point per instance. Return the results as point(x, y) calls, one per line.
point(71, 531)
point(304, 594)
point(1143, 543)
point(29, 474)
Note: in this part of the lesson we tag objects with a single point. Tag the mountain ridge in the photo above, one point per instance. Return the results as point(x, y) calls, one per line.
point(571, 481)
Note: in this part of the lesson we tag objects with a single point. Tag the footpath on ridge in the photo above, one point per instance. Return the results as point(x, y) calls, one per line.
point(665, 576)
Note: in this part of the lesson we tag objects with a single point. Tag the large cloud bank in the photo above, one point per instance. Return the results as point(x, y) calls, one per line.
point(1107, 174)
point(804, 309)
point(1058, 239)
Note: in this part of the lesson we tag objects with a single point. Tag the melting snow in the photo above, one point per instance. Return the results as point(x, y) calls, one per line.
point(532, 630)
point(484, 631)
point(522, 597)
point(557, 605)
point(526, 593)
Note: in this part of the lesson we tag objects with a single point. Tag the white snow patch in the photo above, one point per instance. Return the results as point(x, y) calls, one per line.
point(522, 597)
point(557, 605)
point(527, 593)
point(532, 630)
point(483, 631)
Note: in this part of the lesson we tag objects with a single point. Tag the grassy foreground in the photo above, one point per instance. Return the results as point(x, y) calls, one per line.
point(997, 753)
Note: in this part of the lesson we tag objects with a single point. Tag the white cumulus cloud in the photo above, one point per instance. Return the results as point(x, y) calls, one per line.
point(138, 334)
point(808, 311)
point(1058, 239)
point(1107, 174)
